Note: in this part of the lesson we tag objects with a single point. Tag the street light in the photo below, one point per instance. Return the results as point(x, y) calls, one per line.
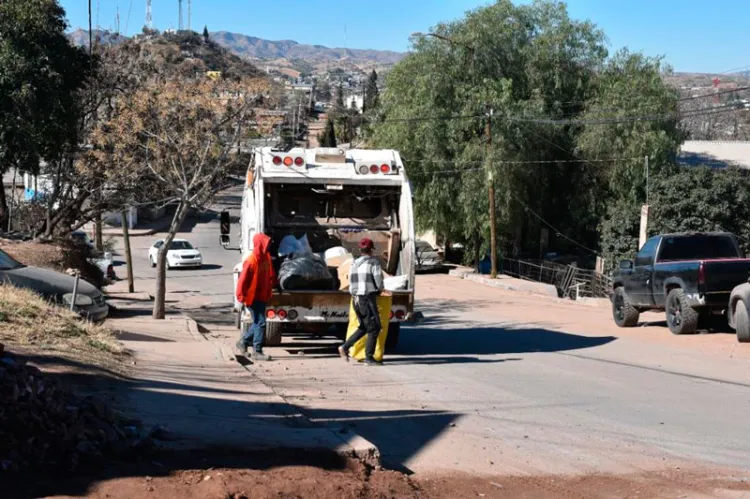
point(487, 146)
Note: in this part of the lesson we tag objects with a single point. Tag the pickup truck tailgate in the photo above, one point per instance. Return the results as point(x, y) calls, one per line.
point(723, 275)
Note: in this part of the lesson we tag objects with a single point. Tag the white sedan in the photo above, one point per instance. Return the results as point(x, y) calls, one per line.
point(180, 254)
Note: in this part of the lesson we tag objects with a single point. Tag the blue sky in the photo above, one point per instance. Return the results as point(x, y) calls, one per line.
point(693, 35)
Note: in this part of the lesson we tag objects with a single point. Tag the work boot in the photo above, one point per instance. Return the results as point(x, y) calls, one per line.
point(240, 349)
point(344, 354)
point(260, 356)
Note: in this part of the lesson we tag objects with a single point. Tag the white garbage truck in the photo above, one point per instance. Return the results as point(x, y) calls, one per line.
point(331, 199)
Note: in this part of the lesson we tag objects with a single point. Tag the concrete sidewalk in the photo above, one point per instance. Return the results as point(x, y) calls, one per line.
point(506, 282)
point(206, 398)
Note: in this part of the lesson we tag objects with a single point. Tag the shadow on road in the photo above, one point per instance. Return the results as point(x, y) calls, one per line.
point(190, 406)
point(446, 341)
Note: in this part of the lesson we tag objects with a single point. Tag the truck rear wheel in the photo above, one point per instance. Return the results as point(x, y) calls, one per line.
point(624, 313)
point(391, 341)
point(274, 331)
point(681, 317)
point(742, 322)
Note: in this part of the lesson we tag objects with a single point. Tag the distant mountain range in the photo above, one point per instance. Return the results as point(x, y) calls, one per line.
point(258, 48)
point(251, 47)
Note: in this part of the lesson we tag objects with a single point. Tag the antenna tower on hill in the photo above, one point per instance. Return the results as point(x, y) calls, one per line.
point(149, 18)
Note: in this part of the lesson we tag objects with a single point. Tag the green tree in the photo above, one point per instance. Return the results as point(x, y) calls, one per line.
point(526, 60)
point(206, 35)
point(339, 107)
point(372, 94)
point(40, 86)
point(328, 137)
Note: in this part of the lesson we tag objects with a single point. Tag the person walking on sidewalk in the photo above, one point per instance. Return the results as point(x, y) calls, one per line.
point(254, 289)
point(365, 284)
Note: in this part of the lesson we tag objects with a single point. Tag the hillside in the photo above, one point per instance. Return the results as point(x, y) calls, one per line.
point(258, 48)
point(184, 52)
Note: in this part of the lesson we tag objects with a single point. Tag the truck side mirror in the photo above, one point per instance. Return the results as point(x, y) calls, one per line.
point(626, 265)
point(224, 228)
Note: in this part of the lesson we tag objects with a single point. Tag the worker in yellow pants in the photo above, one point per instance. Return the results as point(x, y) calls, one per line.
point(367, 316)
point(357, 351)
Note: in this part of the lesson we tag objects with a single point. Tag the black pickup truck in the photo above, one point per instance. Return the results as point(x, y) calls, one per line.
point(687, 275)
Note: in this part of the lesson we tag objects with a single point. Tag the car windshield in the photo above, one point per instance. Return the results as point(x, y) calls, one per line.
point(7, 262)
point(424, 247)
point(180, 245)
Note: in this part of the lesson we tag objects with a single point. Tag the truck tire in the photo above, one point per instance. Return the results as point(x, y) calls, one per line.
point(681, 317)
point(273, 334)
point(742, 322)
point(391, 341)
point(623, 312)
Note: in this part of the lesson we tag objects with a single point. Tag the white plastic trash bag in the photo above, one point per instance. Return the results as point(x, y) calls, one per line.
point(398, 283)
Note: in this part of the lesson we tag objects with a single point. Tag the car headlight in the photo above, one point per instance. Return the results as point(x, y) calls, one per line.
point(81, 300)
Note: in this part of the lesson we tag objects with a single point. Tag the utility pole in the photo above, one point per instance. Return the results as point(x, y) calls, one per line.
point(190, 15)
point(179, 22)
point(491, 189)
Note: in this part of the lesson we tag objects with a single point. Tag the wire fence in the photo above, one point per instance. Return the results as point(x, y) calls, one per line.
point(571, 281)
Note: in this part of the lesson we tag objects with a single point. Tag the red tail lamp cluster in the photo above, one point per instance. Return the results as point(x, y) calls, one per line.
point(398, 314)
point(288, 161)
point(281, 314)
point(375, 169)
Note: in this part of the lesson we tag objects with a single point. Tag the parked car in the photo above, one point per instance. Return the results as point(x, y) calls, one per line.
point(180, 254)
point(56, 286)
point(103, 260)
point(428, 258)
point(689, 276)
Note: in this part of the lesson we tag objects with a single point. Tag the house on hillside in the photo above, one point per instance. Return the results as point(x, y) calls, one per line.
point(715, 153)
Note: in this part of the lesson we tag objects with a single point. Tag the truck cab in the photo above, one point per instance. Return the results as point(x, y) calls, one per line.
point(335, 198)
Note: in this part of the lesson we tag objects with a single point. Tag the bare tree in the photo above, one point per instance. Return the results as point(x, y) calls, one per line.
point(179, 138)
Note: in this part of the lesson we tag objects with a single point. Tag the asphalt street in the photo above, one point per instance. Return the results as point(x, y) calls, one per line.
point(498, 381)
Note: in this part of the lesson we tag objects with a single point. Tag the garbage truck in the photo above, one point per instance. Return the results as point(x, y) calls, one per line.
point(327, 200)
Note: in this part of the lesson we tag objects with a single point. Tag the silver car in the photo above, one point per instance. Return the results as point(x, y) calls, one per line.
point(428, 258)
point(55, 286)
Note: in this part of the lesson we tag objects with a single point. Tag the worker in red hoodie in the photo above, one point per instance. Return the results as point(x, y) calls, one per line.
point(254, 289)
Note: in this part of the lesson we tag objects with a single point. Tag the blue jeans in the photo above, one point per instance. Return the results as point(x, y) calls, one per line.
point(255, 333)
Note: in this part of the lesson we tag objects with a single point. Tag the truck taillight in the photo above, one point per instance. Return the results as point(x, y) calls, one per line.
point(299, 161)
point(281, 314)
point(271, 314)
point(288, 161)
point(385, 168)
point(702, 274)
point(374, 169)
point(276, 160)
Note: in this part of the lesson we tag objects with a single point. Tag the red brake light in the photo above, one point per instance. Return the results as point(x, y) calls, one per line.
point(270, 314)
point(374, 169)
point(288, 161)
point(281, 314)
point(299, 161)
point(391, 317)
point(400, 314)
point(702, 273)
point(385, 168)
point(276, 160)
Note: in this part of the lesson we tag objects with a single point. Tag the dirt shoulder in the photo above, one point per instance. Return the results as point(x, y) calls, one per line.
point(320, 476)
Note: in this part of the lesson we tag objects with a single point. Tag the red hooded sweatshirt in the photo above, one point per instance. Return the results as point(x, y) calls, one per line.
point(257, 276)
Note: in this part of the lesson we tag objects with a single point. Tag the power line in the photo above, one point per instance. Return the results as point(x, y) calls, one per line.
point(552, 226)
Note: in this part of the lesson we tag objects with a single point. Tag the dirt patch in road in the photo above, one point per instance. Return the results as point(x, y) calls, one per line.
point(312, 476)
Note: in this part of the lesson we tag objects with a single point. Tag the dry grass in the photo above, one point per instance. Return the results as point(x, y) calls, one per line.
point(30, 322)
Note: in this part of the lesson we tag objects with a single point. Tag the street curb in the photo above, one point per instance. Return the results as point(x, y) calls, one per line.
point(124, 296)
point(535, 288)
point(193, 328)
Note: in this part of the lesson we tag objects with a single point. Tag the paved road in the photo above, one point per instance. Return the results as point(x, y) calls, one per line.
point(502, 382)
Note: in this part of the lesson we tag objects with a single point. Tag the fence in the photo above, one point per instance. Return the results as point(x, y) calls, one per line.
point(570, 280)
